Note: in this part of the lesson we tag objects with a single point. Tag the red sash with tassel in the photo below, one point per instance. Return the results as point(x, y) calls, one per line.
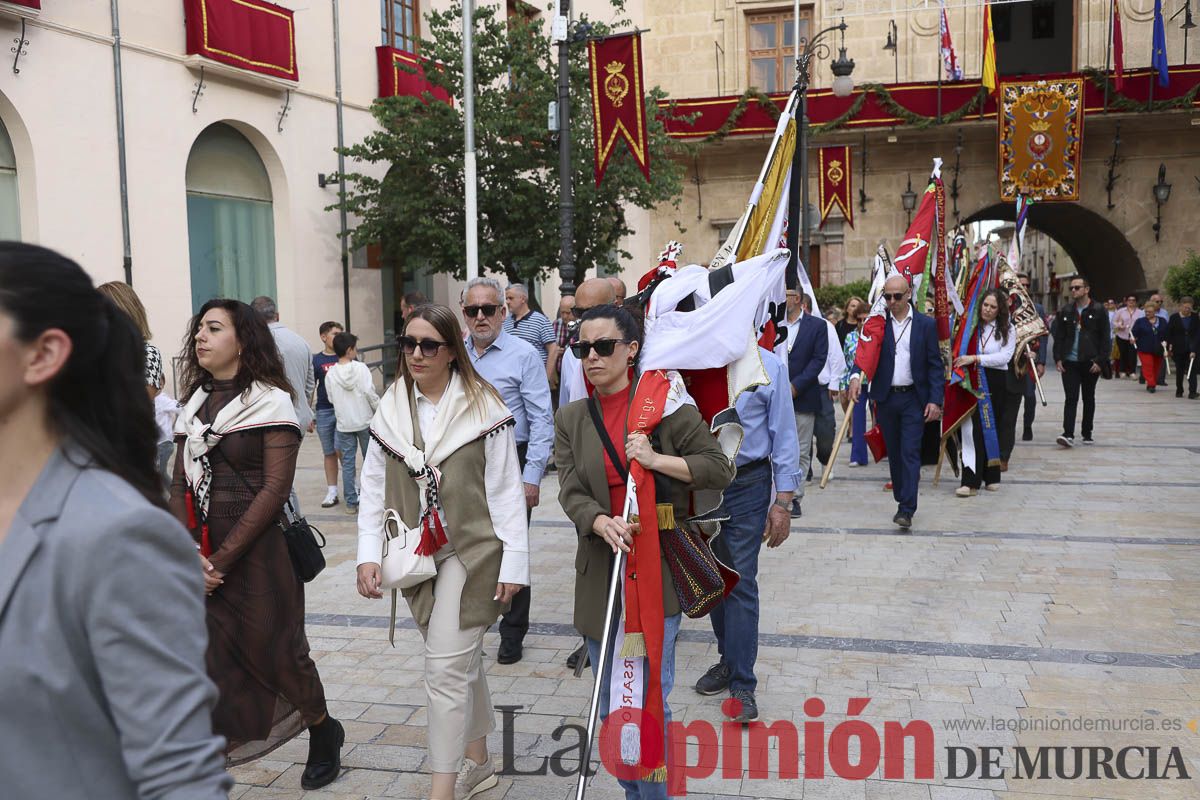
point(643, 574)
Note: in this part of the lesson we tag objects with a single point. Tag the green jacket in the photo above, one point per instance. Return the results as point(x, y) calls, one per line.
point(583, 493)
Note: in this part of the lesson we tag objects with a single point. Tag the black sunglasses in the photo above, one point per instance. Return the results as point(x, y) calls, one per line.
point(894, 296)
point(1076, 288)
point(604, 347)
point(429, 347)
point(473, 311)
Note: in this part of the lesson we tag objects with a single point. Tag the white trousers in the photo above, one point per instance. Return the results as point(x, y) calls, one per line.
point(460, 706)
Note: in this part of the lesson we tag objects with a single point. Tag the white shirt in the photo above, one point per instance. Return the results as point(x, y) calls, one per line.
point(902, 336)
point(793, 328)
point(993, 353)
point(502, 485)
point(570, 380)
point(835, 362)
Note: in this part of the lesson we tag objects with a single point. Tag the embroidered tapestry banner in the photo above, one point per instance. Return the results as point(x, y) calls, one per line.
point(1041, 139)
point(618, 99)
point(835, 182)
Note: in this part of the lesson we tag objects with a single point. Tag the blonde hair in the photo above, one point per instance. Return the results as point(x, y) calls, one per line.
point(1151, 308)
point(445, 322)
point(126, 299)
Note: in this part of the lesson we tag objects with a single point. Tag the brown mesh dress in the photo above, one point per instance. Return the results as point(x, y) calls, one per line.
point(257, 651)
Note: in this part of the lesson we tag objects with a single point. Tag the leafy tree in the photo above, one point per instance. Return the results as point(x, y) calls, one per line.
point(837, 296)
point(1183, 280)
point(416, 212)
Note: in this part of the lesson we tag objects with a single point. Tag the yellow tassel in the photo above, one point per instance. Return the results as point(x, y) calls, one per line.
point(634, 646)
point(666, 516)
point(656, 776)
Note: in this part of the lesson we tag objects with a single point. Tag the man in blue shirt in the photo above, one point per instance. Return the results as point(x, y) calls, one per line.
point(519, 375)
point(769, 453)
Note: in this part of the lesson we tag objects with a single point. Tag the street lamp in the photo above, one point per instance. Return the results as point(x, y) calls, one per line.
point(1162, 193)
point(843, 85)
point(909, 198)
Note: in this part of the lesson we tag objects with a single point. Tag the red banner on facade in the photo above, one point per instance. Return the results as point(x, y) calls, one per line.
point(835, 182)
point(34, 4)
point(403, 74)
point(618, 101)
point(250, 34)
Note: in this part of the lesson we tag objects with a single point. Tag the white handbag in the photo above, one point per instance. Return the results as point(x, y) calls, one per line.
point(402, 568)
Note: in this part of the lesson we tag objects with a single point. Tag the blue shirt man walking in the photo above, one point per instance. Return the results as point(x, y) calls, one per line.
point(770, 453)
point(519, 375)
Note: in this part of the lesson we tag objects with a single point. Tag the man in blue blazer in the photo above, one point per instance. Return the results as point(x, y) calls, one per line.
point(907, 390)
point(808, 346)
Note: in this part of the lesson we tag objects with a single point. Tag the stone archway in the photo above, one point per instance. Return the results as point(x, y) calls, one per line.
point(1100, 251)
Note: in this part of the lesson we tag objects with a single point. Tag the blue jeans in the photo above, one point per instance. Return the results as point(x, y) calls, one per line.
point(645, 790)
point(346, 444)
point(735, 619)
point(327, 430)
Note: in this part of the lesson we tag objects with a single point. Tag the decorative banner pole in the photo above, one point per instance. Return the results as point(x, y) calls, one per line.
point(1037, 382)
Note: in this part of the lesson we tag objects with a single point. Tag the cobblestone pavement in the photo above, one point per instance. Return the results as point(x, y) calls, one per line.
point(1072, 596)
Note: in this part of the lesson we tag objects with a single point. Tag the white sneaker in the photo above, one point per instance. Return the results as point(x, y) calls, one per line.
point(474, 778)
point(331, 499)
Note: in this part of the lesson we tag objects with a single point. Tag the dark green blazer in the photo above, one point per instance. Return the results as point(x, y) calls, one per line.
point(583, 492)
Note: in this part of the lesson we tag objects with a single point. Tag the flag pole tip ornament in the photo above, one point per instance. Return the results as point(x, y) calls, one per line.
point(668, 263)
point(618, 100)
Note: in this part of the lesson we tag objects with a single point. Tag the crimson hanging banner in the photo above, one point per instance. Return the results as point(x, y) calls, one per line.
point(403, 74)
point(250, 34)
point(34, 4)
point(835, 182)
point(618, 102)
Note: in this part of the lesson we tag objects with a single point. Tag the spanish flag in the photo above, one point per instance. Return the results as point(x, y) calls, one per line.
point(989, 51)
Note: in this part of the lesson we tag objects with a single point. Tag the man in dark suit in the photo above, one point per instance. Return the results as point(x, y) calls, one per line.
point(1183, 336)
point(907, 390)
point(808, 347)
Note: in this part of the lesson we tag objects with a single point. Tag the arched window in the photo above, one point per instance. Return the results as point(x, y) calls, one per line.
point(10, 204)
point(231, 232)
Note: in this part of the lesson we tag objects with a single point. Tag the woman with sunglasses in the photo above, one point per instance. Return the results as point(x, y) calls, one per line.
point(995, 342)
point(443, 457)
point(684, 458)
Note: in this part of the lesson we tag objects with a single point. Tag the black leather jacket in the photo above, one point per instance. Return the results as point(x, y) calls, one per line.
point(1093, 339)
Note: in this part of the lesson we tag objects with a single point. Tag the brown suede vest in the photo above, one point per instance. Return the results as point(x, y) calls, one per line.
point(468, 527)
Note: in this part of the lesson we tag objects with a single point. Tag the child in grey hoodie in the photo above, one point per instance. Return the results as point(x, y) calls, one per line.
point(351, 390)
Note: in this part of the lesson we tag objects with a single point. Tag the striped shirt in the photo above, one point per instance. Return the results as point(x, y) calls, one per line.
point(534, 328)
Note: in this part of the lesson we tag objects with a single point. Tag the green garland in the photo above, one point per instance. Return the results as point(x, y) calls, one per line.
point(911, 118)
point(1119, 102)
point(764, 102)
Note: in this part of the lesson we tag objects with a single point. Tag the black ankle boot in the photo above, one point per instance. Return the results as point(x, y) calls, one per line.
point(325, 740)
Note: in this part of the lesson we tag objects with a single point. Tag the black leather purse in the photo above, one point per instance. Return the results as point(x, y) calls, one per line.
point(300, 537)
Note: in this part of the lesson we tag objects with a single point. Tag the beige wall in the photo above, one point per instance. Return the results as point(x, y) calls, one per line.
point(60, 112)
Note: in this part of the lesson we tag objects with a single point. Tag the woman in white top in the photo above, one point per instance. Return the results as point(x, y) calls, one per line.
point(995, 341)
point(443, 457)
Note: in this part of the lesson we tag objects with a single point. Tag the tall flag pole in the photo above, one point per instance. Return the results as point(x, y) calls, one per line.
point(988, 78)
point(1118, 47)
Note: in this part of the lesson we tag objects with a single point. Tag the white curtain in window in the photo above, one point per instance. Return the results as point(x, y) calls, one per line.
point(10, 204)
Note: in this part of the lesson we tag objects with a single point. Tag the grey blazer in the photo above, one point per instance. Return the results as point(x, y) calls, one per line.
point(102, 642)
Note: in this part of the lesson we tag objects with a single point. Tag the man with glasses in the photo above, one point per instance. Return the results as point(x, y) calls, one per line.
point(519, 375)
point(1122, 324)
point(591, 293)
point(908, 388)
point(1080, 331)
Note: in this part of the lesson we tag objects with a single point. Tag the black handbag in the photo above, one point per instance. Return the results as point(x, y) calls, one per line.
point(700, 583)
point(300, 537)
